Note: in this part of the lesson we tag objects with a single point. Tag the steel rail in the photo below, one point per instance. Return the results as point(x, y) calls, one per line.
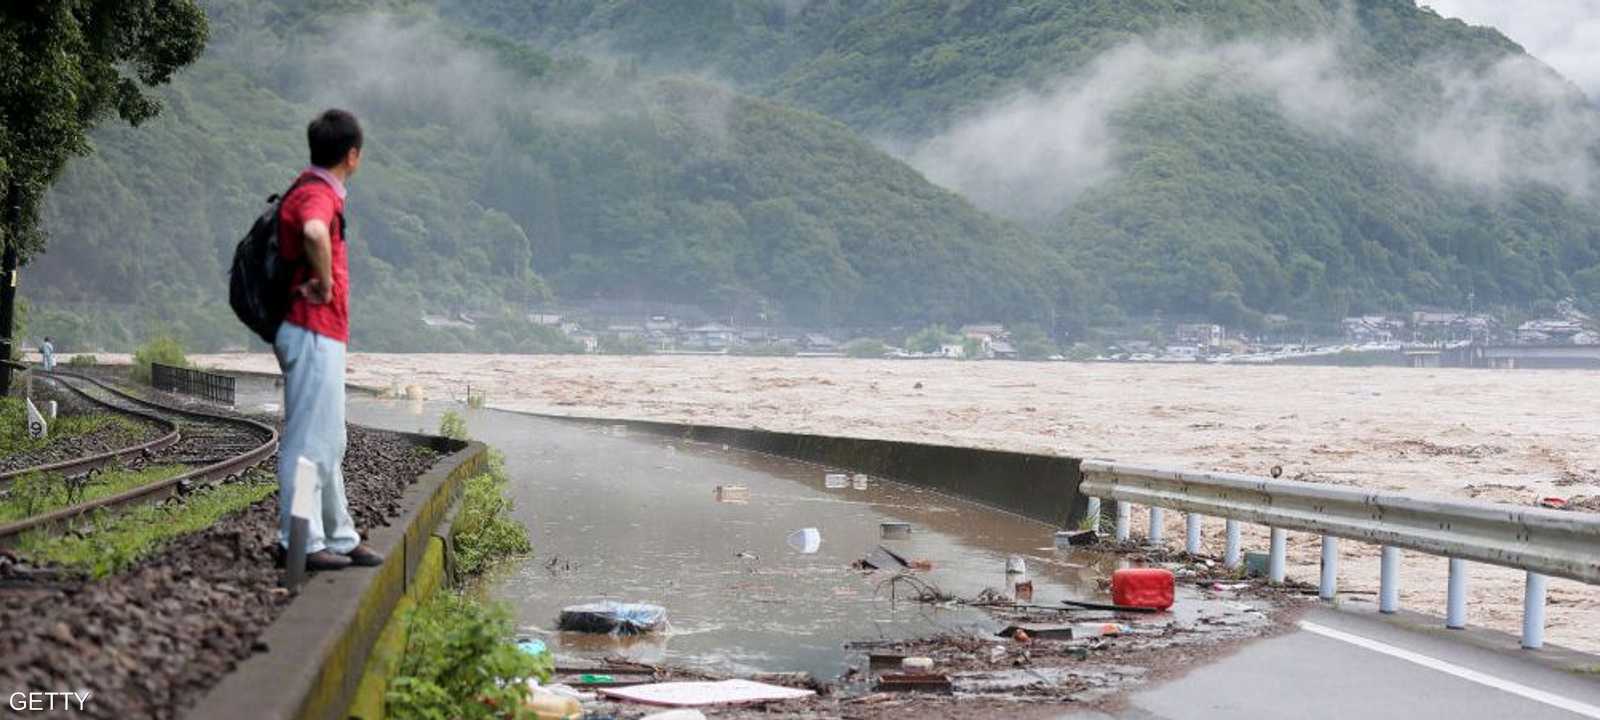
point(89, 462)
point(157, 490)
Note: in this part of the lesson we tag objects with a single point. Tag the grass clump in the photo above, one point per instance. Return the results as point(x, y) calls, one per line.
point(38, 493)
point(164, 349)
point(118, 540)
point(460, 663)
point(83, 361)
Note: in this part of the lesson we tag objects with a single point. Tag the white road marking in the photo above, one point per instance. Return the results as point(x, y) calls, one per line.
point(1535, 694)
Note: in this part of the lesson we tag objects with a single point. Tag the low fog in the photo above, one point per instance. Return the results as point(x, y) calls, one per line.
point(1030, 154)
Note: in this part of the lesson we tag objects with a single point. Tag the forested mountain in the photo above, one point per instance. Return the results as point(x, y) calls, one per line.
point(495, 177)
point(1215, 159)
point(1223, 157)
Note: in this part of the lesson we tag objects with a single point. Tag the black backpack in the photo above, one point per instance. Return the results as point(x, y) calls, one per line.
point(260, 283)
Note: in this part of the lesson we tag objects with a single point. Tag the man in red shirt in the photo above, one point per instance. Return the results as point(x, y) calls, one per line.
point(311, 343)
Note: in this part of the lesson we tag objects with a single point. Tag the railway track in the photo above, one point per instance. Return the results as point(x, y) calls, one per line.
point(215, 445)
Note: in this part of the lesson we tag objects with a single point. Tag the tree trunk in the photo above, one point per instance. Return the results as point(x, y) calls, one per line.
point(8, 283)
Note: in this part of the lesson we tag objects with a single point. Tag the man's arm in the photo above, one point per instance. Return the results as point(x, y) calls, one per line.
point(319, 253)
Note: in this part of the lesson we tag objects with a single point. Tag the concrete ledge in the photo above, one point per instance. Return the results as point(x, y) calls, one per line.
point(318, 648)
point(1040, 487)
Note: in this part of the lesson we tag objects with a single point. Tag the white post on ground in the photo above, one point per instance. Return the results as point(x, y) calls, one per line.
point(1155, 525)
point(1533, 612)
point(1389, 580)
point(1330, 568)
point(1093, 513)
point(1230, 551)
point(301, 505)
point(1455, 606)
point(1191, 532)
point(1124, 511)
point(1276, 560)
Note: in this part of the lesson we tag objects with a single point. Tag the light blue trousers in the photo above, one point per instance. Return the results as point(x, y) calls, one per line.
point(313, 428)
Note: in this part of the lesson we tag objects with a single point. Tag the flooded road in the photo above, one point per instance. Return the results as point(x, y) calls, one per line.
point(635, 518)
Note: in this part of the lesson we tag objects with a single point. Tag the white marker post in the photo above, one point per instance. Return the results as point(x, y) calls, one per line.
point(38, 429)
point(301, 507)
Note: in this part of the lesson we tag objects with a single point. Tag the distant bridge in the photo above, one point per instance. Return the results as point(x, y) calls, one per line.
point(1507, 357)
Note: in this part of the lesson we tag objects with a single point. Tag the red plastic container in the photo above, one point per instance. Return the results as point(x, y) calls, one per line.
point(1142, 587)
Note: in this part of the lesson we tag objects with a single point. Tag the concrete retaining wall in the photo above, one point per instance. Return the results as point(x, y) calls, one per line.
point(318, 649)
point(1041, 487)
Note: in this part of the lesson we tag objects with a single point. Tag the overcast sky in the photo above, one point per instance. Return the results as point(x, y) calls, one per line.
point(1565, 34)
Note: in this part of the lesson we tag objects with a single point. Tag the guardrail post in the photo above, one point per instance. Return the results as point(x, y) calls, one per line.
point(1275, 560)
point(1093, 513)
point(1230, 551)
point(1455, 607)
point(1191, 532)
point(1389, 580)
point(1155, 525)
point(1330, 568)
point(1533, 611)
point(1123, 520)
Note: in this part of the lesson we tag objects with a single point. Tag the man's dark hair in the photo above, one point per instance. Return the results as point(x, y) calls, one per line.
point(331, 136)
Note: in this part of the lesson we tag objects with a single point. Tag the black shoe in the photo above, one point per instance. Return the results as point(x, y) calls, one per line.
point(364, 556)
point(326, 560)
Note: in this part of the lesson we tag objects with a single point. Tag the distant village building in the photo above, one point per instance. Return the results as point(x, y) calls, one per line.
point(1205, 335)
point(589, 341)
point(816, 342)
point(954, 351)
point(710, 336)
point(459, 320)
point(1002, 350)
point(544, 319)
point(626, 331)
point(1373, 328)
point(1551, 331)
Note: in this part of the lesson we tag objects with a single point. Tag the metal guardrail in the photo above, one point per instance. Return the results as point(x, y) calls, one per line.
point(210, 386)
point(1539, 541)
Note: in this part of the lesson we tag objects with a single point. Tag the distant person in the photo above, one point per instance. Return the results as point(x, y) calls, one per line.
point(47, 352)
point(310, 344)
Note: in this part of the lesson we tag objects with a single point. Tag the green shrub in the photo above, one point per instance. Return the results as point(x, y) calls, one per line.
point(80, 361)
point(460, 663)
point(164, 349)
point(483, 531)
point(452, 425)
point(866, 348)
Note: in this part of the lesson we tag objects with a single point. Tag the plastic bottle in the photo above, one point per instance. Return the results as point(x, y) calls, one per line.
point(546, 705)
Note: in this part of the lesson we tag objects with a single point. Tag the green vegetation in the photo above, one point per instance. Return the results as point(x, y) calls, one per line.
point(83, 360)
point(483, 531)
point(38, 493)
point(866, 348)
point(64, 67)
point(1216, 205)
point(661, 188)
point(14, 430)
point(118, 540)
point(930, 339)
point(453, 426)
point(460, 665)
point(509, 169)
point(164, 349)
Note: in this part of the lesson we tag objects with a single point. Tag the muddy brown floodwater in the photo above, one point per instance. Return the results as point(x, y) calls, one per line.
point(1502, 436)
point(637, 519)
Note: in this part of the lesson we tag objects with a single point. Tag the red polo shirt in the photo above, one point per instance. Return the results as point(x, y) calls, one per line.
point(320, 196)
